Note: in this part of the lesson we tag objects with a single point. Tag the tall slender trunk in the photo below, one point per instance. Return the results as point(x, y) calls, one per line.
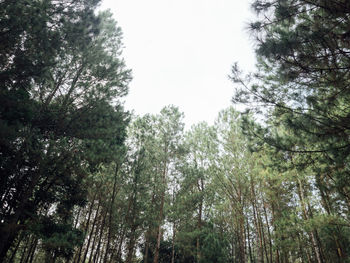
point(148, 234)
point(26, 250)
point(102, 226)
point(14, 252)
point(93, 247)
point(31, 245)
point(91, 233)
point(263, 236)
point(86, 227)
point(268, 230)
point(159, 231)
point(173, 245)
point(131, 245)
point(241, 240)
point(161, 211)
point(199, 222)
point(121, 241)
point(102, 254)
point(77, 219)
point(306, 216)
point(33, 251)
point(145, 257)
point(249, 246)
point(111, 213)
point(256, 222)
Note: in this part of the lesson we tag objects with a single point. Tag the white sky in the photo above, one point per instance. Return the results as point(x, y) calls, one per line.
point(181, 53)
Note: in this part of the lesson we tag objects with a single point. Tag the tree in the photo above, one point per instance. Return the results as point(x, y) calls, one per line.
point(62, 77)
point(169, 128)
point(303, 85)
point(202, 147)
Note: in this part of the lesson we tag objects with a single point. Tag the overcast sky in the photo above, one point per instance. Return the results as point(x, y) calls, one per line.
point(181, 53)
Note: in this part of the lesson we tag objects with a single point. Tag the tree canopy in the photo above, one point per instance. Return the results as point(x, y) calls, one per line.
point(83, 180)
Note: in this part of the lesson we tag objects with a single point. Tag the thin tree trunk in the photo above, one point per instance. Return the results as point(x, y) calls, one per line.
point(86, 226)
point(148, 235)
point(159, 235)
point(93, 247)
point(199, 222)
point(91, 233)
point(249, 246)
point(131, 245)
point(102, 226)
point(31, 259)
point(110, 214)
point(268, 230)
point(306, 216)
point(24, 253)
point(77, 219)
point(119, 251)
point(160, 219)
point(101, 257)
point(14, 252)
point(241, 237)
point(145, 258)
point(31, 251)
point(263, 236)
point(255, 220)
point(173, 245)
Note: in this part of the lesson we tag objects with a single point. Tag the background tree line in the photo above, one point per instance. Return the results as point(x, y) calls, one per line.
point(84, 181)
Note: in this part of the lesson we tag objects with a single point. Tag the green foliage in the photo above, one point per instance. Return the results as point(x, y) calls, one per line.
point(58, 240)
point(215, 245)
point(61, 79)
point(272, 190)
point(301, 92)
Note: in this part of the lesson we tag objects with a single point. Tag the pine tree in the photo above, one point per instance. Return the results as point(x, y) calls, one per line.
point(303, 83)
point(62, 77)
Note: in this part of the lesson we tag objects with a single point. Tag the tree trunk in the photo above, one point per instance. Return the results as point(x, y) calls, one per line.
point(91, 233)
point(249, 246)
point(14, 252)
point(159, 235)
point(268, 230)
point(160, 219)
point(173, 245)
point(306, 216)
point(145, 257)
point(102, 226)
point(110, 213)
point(200, 186)
point(263, 235)
point(26, 247)
point(77, 219)
point(131, 245)
point(33, 251)
point(86, 227)
point(256, 223)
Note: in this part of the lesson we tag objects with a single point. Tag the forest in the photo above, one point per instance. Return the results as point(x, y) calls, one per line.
point(83, 180)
